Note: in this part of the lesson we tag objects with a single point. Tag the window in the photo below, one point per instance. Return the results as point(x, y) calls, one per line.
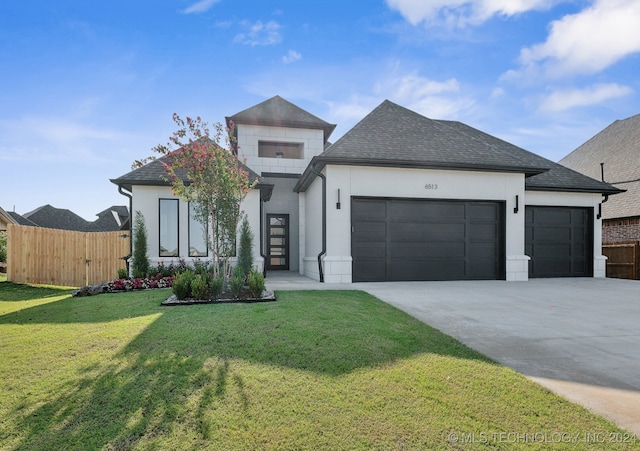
point(168, 227)
point(197, 234)
point(273, 149)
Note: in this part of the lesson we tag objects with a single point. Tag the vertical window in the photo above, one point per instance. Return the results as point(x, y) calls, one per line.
point(169, 227)
point(197, 235)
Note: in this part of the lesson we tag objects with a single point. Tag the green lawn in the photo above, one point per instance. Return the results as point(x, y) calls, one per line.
point(314, 370)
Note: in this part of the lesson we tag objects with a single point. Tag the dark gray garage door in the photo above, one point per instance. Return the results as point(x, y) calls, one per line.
point(398, 239)
point(559, 241)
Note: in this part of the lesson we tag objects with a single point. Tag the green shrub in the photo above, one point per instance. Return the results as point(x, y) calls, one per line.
point(3, 246)
point(256, 283)
point(200, 287)
point(140, 260)
point(215, 286)
point(236, 285)
point(123, 274)
point(200, 268)
point(245, 250)
point(182, 285)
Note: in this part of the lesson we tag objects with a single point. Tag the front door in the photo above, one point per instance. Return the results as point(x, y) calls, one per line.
point(278, 242)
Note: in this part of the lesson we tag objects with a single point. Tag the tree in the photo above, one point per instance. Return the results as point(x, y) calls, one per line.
point(245, 249)
point(204, 170)
point(140, 259)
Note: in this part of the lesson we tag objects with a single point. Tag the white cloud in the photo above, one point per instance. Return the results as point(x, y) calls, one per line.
point(459, 13)
point(200, 7)
point(291, 56)
point(260, 34)
point(586, 42)
point(571, 98)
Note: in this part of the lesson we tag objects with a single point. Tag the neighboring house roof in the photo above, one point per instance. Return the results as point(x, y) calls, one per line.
point(278, 112)
point(153, 174)
point(56, 218)
point(21, 220)
point(113, 218)
point(394, 136)
point(5, 218)
point(618, 147)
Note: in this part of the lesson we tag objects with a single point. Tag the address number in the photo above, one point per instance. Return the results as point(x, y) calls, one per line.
point(431, 186)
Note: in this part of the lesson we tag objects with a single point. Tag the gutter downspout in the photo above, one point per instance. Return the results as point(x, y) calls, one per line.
point(324, 221)
point(264, 264)
point(130, 196)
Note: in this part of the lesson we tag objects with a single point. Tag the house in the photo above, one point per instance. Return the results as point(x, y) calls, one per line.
point(614, 155)
point(398, 197)
point(5, 218)
point(56, 218)
point(111, 219)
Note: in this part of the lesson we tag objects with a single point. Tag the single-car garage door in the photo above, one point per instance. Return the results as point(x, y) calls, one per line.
point(407, 239)
point(559, 241)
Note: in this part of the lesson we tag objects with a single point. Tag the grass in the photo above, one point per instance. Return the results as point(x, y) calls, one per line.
point(314, 370)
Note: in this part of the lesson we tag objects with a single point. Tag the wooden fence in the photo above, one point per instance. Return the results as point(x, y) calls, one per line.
point(623, 259)
point(61, 257)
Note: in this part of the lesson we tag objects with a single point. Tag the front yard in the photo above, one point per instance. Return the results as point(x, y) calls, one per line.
point(314, 370)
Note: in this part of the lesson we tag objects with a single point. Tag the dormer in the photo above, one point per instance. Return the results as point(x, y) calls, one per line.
point(278, 137)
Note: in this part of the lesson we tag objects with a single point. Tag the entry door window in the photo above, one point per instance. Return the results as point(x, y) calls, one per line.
point(278, 242)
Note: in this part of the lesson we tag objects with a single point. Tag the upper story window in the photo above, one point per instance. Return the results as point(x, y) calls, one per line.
point(276, 149)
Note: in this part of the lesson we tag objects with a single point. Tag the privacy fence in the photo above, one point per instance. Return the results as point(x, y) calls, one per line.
point(61, 257)
point(623, 259)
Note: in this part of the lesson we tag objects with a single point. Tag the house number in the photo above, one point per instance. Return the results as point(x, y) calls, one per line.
point(431, 186)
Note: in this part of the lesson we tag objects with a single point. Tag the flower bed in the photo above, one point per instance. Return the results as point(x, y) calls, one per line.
point(140, 283)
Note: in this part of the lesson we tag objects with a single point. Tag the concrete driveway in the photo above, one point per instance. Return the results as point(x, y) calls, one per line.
point(578, 337)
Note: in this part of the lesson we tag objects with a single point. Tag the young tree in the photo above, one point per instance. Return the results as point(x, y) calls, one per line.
point(203, 169)
point(140, 259)
point(245, 249)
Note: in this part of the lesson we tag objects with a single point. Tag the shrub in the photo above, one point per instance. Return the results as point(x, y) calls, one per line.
point(182, 285)
point(256, 283)
point(215, 285)
point(140, 259)
point(200, 268)
point(3, 246)
point(200, 287)
point(122, 274)
point(245, 251)
point(236, 285)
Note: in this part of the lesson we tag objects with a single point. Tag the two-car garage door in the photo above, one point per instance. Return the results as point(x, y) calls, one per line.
point(408, 239)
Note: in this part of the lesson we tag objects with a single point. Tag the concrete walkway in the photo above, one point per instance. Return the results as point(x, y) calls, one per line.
point(578, 337)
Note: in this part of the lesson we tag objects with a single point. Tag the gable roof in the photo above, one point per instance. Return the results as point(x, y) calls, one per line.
point(618, 147)
point(6, 218)
point(21, 220)
point(113, 218)
point(278, 112)
point(56, 218)
point(394, 136)
point(153, 174)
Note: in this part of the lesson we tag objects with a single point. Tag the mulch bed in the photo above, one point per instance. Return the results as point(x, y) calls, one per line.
point(225, 298)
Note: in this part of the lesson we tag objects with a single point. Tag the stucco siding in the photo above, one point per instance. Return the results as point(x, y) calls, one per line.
point(250, 135)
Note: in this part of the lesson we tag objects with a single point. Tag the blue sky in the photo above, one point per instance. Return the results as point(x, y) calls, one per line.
point(88, 87)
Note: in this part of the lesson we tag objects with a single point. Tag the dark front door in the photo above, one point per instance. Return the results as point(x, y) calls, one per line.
point(278, 242)
point(559, 241)
point(407, 239)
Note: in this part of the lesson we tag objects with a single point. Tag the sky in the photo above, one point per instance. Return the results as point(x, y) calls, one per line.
point(88, 87)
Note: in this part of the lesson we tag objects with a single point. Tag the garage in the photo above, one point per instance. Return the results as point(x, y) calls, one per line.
point(423, 240)
point(559, 241)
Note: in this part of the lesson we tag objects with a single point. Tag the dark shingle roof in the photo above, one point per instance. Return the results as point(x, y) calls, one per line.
point(21, 220)
point(394, 136)
point(153, 173)
point(56, 218)
point(278, 112)
point(618, 147)
point(112, 219)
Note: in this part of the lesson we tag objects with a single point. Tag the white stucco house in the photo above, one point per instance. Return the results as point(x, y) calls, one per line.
point(399, 197)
